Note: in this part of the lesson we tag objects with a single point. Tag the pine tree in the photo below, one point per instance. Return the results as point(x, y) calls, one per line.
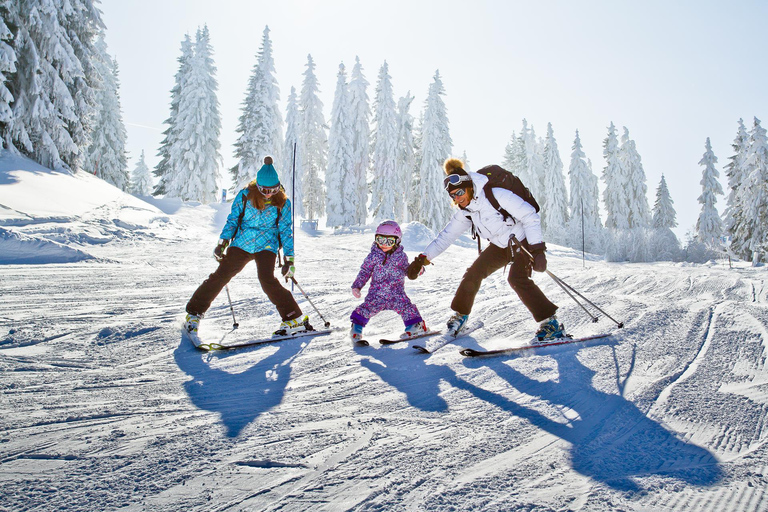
point(615, 194)
point(52, 87)
point(664, 243)
point(533, 177)
point(639, 215)
point(291, 177)
point(754, 231)
point(261, 124)
point(709, 226)
point(584, 227)
point(339, 156)
point(388, 194)
point(7, 68)
point(554, 210)
point(195, 159)
point(736, 172)
point(434, 209)
point(356, 191)
point(406, 157)
point(465, 160)
point(164, 171)
point(106, 157)
point(314, 144)
point(141, 178)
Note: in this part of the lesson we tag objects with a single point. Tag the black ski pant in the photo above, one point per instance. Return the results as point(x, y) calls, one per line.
point(232, 263)
point(492, 259)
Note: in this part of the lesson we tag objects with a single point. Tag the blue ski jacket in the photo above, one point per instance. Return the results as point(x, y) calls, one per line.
point(259, 229)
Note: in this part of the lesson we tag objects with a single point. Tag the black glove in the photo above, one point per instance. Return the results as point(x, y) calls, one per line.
point(539, 259)
point(417, 266)
point(220, 249)
point(289, 268)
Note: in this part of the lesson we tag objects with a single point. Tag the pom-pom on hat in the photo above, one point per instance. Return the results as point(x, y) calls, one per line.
point(267, 175)
point(456, 166)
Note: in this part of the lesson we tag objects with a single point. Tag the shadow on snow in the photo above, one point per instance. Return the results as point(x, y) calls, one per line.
point(611, 439)
point(239, 398)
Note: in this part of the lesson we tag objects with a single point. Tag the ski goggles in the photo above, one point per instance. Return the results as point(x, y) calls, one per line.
point(268, 191)
point(457, 193)
point(388, 241)
point(454, 180)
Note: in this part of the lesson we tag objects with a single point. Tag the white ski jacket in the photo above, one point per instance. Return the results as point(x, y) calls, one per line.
point(489, 223)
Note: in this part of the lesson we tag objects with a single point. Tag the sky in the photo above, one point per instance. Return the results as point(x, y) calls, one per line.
point(673, 73)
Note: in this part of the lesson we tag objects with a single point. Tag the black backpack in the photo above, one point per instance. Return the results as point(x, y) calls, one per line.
point(501, 178)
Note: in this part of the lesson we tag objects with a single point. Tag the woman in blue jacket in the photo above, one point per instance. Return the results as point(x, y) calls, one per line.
point(258, 224)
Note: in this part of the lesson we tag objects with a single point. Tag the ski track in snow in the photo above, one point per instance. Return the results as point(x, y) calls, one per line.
point(105, 406)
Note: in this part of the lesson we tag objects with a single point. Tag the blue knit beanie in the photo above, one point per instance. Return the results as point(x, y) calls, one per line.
point(267, 175)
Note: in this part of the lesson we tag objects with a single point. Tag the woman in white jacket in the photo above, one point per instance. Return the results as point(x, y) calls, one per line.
point(466, 191)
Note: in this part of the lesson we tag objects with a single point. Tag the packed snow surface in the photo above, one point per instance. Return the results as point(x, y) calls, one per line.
point(105, 405)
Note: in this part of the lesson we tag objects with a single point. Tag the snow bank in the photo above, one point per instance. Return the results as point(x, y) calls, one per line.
point(16, 248)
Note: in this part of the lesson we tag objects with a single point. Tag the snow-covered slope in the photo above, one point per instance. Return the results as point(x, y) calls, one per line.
point(105, 406)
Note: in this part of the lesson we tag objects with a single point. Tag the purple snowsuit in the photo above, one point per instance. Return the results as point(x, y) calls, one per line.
point(386, 270)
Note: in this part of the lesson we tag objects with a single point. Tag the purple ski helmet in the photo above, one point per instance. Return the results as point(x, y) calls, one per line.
point(390, 228)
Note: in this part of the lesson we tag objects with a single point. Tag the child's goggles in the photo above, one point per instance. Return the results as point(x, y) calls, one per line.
point(455, 180)
point(389, 241)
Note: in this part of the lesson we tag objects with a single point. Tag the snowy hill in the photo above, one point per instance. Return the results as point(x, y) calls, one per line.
point(105, 406)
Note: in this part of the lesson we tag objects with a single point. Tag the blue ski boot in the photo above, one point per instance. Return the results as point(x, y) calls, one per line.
point(549, 330)
point(456, 323)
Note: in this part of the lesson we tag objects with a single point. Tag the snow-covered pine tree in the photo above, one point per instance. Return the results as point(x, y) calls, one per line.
point(615, 199)
point(141, 178)
point(736, 172)
point(261, 124)
point(754, 232)
point(639, 211)
point(52, 86)
point(406, 156)
point(434, 208)
point(339, 156)
point(163, 171)
point(356, 191)
point(533, 177)
point(664, 244)
point(709, 226)
point(554, 200)
point(388, 193)
point(584, 228)
point(465, 161)
point(414, 200)
point(106, 157)
point(7, 68)
point(314, 144)
point(195, 158)
point(290, 175)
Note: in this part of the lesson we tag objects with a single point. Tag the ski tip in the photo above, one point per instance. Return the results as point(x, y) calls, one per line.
point(420, 349)
point(468, 352)
point(361, 343)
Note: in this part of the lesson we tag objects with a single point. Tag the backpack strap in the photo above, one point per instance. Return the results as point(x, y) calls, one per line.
point(488, 191)
point(240, 217)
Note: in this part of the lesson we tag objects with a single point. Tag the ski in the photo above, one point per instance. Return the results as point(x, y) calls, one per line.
point(208, 347)
point(469, 352)
point(436, 343)
point(399, 340)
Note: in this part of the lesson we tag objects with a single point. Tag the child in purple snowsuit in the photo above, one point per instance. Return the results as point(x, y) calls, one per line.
point(386, 267)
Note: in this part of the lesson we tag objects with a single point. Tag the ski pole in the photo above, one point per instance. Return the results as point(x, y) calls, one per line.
point(563, 285)
point(235, 325)
point(327, 324)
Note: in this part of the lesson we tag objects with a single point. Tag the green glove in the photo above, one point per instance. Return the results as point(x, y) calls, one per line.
point(289, 269)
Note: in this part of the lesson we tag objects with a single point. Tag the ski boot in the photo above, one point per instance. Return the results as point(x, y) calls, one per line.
point(356, 333)
point(549, 330)
point(295, 326)
point(456, 323)
point(191, 323)
point(414, 330)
